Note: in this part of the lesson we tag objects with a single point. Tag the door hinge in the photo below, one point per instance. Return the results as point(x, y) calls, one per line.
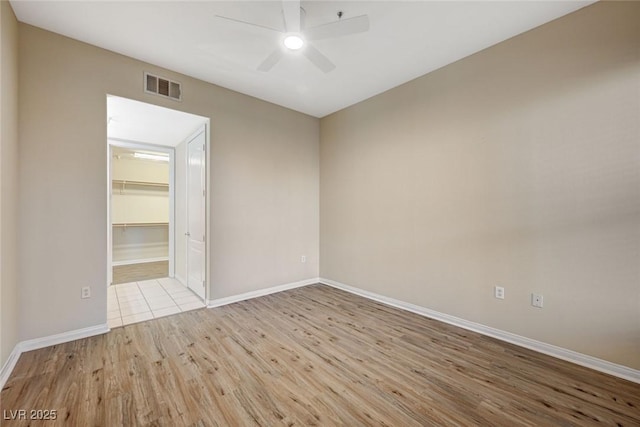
point(203, 284)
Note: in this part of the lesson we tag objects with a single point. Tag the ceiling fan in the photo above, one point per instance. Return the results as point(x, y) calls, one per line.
point(297, 38)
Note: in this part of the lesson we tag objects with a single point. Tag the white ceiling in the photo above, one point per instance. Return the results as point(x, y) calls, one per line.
point(405, 40)
point(140, 122)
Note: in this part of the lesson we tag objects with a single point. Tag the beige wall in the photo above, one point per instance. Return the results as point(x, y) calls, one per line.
point(134, 169)
point(518, 166)
point(131, 203)
point(133, 244)
point(264, 183)
point(8, 181)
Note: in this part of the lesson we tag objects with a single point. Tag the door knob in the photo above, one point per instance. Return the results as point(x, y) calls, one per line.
point(187, 234)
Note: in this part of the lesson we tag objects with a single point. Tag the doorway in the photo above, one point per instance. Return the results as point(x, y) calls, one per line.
point(155, 268)
point(141, 212)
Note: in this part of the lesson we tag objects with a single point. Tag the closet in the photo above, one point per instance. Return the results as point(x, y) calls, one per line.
point(139, 206)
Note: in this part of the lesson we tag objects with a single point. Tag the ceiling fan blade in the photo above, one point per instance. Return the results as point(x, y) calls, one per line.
point(358, 24)
point(291, 14)
point(318, 59)
point(237, 21)
point(271, 60)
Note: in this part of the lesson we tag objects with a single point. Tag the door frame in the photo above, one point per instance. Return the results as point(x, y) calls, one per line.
point(123, 143)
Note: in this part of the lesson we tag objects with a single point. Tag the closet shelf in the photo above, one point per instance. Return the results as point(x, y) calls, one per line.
point(140, 224)
point(140, 183)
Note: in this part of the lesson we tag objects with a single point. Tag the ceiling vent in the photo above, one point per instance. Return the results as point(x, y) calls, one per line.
point(162, 86)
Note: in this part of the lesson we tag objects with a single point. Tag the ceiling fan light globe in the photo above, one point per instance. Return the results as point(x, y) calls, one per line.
point(293, 42)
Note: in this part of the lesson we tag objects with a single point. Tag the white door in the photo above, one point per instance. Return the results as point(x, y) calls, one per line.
point(196, 215)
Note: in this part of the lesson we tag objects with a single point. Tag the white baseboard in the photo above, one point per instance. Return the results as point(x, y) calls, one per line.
point(551, 350)
point(139, 261)
point(8, 366)
point(76, 334)
point(541, 347)
point(47, 341)
point(260, 292)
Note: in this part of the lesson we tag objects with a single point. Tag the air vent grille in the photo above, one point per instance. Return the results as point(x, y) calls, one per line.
point(162, 86)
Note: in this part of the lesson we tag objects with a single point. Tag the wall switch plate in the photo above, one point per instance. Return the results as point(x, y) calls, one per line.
point(537, 300)
point(498, 292)
point(303, 259)
point(86, 292)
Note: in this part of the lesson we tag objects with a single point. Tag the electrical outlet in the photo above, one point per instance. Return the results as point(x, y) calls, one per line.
point(498, 291)
point(86, 292)
point(303, 259)
point(536, 300)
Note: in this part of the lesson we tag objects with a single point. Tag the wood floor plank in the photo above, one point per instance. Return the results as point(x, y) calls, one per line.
point(309, 356)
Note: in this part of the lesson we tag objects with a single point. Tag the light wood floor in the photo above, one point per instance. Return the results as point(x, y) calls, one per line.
point(139, 272)
point(310, 356)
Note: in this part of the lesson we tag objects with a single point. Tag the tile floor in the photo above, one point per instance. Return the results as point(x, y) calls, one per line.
point(134, 302)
